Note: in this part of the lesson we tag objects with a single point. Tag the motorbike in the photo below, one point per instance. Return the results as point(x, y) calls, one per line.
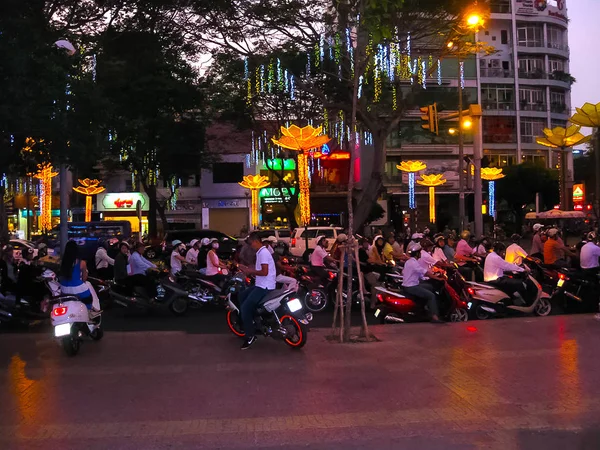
point(312, 290)
point(279, 315)
point(169, 294)
point(489, 300)
point(71, 321)
point(576, 291)
point(396, 307)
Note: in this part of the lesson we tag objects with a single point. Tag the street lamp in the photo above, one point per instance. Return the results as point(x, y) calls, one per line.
point(491, 174)
point(254, 183)
point(411, 167)
point(562, 138)
point(432, 181)
point(89, 188)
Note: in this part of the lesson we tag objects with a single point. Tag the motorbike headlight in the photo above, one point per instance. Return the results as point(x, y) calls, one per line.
point(294, 305)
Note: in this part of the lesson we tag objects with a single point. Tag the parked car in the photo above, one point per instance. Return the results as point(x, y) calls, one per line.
point(299, 238)
point(227, 244)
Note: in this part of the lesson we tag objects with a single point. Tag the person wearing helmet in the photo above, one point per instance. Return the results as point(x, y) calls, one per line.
point(537, 246)
point(514, 252)
point(413, 275)
point(590, 254)
point(555, 252)
point(438, 252)
point(214, 266)
point(336, 248)
point(138, 267)
point(202, 253)
point(319, 257)
point(494, 268)
point(191, 257)
point(103, 261)
point(177, 256)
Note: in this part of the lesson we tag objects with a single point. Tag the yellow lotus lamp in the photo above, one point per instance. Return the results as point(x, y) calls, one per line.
point(45, 174)
point(302, 140)
point(562, 138)
point(491, 174)
point(411, 167)
point(432, 181)
point(89, 188)
point(254, 183)
point(587, 116)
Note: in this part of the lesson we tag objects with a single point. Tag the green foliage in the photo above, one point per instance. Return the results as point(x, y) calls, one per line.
point(521, 183)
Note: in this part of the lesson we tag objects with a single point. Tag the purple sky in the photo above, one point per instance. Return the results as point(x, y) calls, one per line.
point(584, 18)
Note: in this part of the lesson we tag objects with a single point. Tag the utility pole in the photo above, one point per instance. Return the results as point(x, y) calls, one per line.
point(64, 217)
point(475, 113)
point(461, 154)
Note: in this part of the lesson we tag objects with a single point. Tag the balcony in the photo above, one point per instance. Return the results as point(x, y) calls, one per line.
point(559, 108)
point(500, 7)
point(525, 106)
point(490, 72)
point(501, 106)
point(530, 44)
point(527, 139)
point(533, 75)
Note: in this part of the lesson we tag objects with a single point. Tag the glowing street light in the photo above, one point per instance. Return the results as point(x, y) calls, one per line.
point(302, 140)
point(89, 188)
point(491, 174)
point(254, 183)
point(411, 167)
point(45, 175)
point(432, 181)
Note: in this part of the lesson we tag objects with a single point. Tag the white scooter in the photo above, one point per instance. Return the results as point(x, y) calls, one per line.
point(488, 300)
point(71, 322)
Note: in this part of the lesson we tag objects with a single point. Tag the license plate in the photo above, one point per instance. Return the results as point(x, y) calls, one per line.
point(62, 330)
point(377, 313)
point(294, 305)
point(560, 282)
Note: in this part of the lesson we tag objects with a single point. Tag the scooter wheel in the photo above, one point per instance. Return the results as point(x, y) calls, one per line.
point(481, 313)
point(97, 334)
point(71, 344)
point(179, 306)
point(315, 300)
point(459, 315)
point(543, 308)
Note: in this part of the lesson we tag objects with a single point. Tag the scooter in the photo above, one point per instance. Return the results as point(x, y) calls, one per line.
point(576, 291)
point(490, 301)
point(71, 321)
point(394, 306)
point(169, 293)
point(279, 315)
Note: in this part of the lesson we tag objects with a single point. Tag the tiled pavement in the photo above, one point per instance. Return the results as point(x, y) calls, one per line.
point(526, 383)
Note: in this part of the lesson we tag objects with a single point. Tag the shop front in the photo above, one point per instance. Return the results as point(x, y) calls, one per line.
point(229, 216)
point(130, 206)
point(272, 201)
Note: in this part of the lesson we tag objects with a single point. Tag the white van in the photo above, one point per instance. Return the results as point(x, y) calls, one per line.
point(299, 235)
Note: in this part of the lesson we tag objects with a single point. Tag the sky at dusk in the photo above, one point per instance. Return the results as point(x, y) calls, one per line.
point(584, 27)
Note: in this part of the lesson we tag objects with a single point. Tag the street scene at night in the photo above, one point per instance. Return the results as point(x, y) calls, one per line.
point(316, 224)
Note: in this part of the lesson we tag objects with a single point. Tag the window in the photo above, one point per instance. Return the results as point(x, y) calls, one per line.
point(128, 184)
point(538, 160)
point(328, 233)
point(228, 172)
point(528, 66)
point(556, 65)
point(531, 128)
point(499, 129)
point(558, 123)
point(530, 36)
point(498, 97)
point(557, 102)
point(311, 234)
point(532, 99)
point(504, 36)
point(501, 159)
point(284, 233)
point(556, 38)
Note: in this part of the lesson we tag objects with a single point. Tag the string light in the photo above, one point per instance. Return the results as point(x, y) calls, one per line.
point(492, 198)
point(45, 175)
point(292, 88)
point(270, 77)
point(322, 47)
point(462, 75)
point(439, 72)
point(262, 78)
point(420, 71)
point(432, 181)
point(286, 80)
point(257, 79)
point(424, 74)
point(411, 191)
point(279, 74)
point(360, 86)
point(254, 183)
point(411, 167)
point(394, 99)
point(308, 65)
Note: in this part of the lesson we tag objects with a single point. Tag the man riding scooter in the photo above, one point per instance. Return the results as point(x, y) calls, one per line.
point(414, 273)
point(493, 273)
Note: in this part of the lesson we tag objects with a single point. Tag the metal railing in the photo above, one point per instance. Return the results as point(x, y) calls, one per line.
point(496, 72)
point(534, 106)
point(533, 43)
point(503, 106)
point(500, 7)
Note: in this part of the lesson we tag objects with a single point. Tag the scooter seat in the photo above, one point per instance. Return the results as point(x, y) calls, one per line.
point(272, 299)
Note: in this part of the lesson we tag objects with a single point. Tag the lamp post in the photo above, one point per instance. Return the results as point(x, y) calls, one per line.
point(254, 183)
point(302, 140)
point(561, 139)
point(89, 188)
point(432, 181)
point(411, 167)
point(491, 174)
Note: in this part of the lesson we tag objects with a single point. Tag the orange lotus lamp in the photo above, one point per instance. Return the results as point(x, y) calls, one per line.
point(432, 181)
point(254, 183)
point(562, 138)
point(411, 167)
point(302, 140)
point(45, 175)
point(88, 188)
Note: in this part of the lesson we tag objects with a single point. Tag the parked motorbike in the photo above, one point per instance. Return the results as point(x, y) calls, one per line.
point(314, 292)
point(203, 290)
point(489, 300)
point(169, 294)
point(576, 291)
point(279, 315)
point(71, 321)
point(396, 307)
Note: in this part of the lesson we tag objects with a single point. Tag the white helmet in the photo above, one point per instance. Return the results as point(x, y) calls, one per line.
point(417, 236)
point(204, 242)
point(537, 226)
point(414, 247)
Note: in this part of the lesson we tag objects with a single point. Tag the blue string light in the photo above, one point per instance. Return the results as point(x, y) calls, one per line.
point(292, 88)
point(492, 198)
point(411, 191)
point(462, 75)
point(439, 72)
point(360, 86)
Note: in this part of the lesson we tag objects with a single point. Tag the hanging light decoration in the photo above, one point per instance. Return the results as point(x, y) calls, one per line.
point(491, 174)
point(88, 188)
point(432, 181)
point(411, 167)
point(45, 175)
point(302, 140)
point(254, 183)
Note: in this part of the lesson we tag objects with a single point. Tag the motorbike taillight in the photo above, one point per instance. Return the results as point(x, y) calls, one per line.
point(562, 276)
point(293, 242)
point(59, 311)
point(331, 275)
point(471, 291)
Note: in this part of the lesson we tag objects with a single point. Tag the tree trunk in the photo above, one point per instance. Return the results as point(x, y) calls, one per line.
point(152, 210)
point(3, 216)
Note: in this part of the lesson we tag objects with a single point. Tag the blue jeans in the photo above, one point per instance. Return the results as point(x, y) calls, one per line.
point(426, 294)
point(249, 300)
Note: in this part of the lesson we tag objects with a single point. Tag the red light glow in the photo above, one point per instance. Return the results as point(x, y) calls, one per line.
point(60, 311)
point(471, 329)
point(471, 291)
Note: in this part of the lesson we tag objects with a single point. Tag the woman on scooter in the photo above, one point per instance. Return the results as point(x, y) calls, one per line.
point(214, 266)
point(73, 277)
point(414, 273)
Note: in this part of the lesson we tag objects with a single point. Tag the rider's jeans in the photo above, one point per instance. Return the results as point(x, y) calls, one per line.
point(249, 300)
point(424, 294)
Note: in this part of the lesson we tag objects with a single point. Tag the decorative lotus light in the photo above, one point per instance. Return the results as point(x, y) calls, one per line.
point(432, 181)
point(492, 174)
point(254, 183)
point(89, 188)
point(45, 175)
point(587, 116)
point(411, 167)
point(302, 140)
point(562, 138)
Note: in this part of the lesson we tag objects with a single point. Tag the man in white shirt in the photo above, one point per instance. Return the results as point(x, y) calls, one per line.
point(413, 273)
point(192, 254)
point(590, 254)
point(514, 252)
point(138, 264)
point(103, 261)
point(288, 282)
point(265, 275)
point(494, 268)
point(426, 260)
